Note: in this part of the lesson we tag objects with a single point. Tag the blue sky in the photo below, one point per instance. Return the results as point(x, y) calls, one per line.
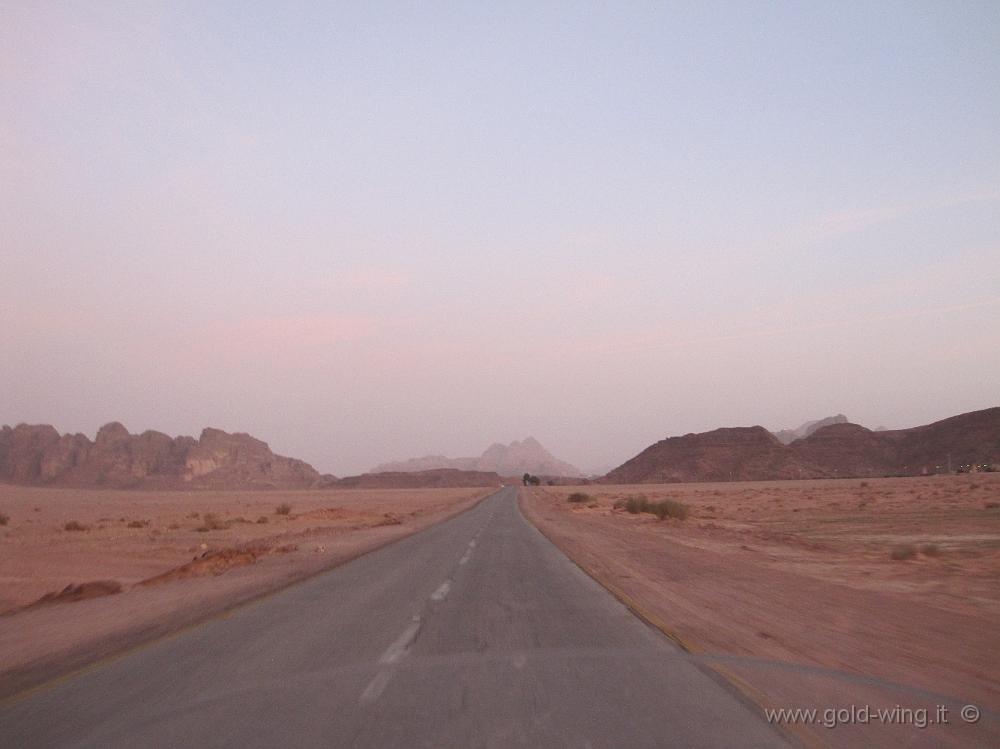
point(374, 231)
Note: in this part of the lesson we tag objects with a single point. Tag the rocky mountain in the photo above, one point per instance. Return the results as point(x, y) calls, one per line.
point(38, 454)
point(728, 454)
point(788, 436)
point(836, 450)
point(432, 478)
point(515, 459)
point(950, 444)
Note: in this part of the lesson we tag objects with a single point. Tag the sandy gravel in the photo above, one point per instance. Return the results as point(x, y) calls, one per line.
point(790, 588)
point(177, 557)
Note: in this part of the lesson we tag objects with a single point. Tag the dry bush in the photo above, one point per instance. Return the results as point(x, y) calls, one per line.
point(903, 552)
point(632, 505)
point(4, 519)
point(665, 508)
point(578, 498)
point(930, 550)
point(74, 525)
point(262, 519)
point(991, 505)
point(669, 508)
point(211, 522)
point(283, 509)
point(138, 524)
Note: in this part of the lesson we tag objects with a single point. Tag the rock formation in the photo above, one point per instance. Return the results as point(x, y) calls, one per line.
point(837, 450)
point(728, 454)
point(788, 436)
point(515, 459)
point(434, 478)
point(37, 454)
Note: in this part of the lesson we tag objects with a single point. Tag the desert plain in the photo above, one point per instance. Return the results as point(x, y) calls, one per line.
point(812, 594)
point(86, 573)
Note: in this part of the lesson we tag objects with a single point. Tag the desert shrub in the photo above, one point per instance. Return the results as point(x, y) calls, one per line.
point(211, 522)
point(635, 505)
point(665, 508)
point(4, 519)
point(930, 550)
point(864, 484)
point(669, 508)
point(173, 526)
point(903, 552)
point(74, 525)
point(283, 509)
point(578, 498)
point(262, 519)
point(138, 524)
point(991, 505)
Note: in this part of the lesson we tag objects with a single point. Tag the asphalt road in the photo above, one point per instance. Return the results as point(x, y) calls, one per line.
point(476, 632)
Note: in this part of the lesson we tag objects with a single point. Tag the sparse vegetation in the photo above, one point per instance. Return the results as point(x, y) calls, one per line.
point(903, 552)
point(4, 519)
point(283, 509)
point(138, 524)
point(930, 550)
point(211, 522)
point(991, 505)
point(665, 508)
point(578, 498)
point(669, 508)
point(74, 525)
point(262, 519)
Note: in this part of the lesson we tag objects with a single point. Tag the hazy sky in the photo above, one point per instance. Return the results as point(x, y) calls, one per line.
point(371, 231)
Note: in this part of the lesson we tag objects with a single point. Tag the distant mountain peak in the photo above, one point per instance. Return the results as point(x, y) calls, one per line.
point(788, 436)
point(517, 458)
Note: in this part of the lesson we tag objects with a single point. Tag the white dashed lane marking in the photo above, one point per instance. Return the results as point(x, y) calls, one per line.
point(442, 592)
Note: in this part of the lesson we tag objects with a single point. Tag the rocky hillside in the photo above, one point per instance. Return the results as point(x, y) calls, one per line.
point(788, 436)
point(434, 478)
point(38, 454)
point(728, 454)
point(836, 450)
point(515, 459)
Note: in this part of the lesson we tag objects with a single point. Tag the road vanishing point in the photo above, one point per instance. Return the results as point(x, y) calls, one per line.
point(476, 632)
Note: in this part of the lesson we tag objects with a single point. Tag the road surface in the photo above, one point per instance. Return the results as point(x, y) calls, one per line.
point(476, 632)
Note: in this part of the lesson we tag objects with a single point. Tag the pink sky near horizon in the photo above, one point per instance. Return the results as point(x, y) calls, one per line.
point(364, 235)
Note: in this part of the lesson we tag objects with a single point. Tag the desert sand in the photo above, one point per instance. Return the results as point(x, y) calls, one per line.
point(174, 558)
point(820, 593)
